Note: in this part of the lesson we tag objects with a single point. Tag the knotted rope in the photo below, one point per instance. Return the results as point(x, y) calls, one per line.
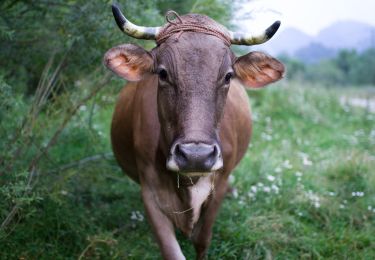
point(180, 26)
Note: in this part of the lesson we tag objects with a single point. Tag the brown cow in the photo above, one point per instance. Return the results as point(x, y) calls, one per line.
point(183, 124)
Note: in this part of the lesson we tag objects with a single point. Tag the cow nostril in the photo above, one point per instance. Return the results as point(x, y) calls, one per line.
point(216, 151)
point(179, 152)
point(195, 156)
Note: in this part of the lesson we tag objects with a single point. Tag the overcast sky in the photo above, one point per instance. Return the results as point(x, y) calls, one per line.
point(311, 16)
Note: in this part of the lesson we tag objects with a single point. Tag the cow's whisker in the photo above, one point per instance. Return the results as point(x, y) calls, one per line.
point(182, 212)
point(213, 182)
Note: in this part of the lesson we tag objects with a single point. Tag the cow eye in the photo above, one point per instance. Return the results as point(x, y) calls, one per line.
point(227, 78)
point(163, 75)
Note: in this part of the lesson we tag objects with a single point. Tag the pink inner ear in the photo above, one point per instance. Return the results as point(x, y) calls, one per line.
point(129, 61)
point(266, 76)
point(117, 61)
point(260, 78)
point(257, 69)
point(121, 66)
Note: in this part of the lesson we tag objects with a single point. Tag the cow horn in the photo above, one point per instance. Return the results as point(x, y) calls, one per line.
point(135, 31)
point(254, 38)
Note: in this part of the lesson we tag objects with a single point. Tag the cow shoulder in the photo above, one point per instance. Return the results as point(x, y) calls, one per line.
point(235, 128)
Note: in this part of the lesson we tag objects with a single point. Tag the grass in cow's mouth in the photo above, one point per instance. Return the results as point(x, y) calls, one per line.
point(305, 189)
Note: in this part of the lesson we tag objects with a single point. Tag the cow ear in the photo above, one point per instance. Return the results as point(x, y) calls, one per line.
point(257, 69)
point(129, 61)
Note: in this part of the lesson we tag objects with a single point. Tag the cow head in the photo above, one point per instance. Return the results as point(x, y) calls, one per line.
point(194, 71)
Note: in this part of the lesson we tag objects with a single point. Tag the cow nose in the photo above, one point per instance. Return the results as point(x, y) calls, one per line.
point(195, 157)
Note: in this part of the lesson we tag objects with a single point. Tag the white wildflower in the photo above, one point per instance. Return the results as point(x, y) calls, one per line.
point(133, 216)
point(315, 200)
point(235, 193)
point(136, 215)
point(266, 189)
point(266, 137)
point(358, 194)
point(287, 165)
point(275, 188)
point(306, 161)
point(360, 132)
point(232, 179)
point(270, 178)
point(251, 195)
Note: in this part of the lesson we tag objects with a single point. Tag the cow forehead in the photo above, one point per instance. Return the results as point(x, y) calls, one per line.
point(195, 53)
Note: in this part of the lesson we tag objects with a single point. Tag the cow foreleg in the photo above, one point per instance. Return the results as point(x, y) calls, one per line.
point(162, 227)
point(202, 233)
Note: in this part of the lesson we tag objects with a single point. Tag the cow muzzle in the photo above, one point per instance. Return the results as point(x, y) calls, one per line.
point(194, 158)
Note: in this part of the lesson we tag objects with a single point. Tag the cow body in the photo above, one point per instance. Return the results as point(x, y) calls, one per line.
point(184, 123)
point(139, 149)
point(142, 155)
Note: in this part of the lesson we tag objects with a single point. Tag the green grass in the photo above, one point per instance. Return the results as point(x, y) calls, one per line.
point(305, 189)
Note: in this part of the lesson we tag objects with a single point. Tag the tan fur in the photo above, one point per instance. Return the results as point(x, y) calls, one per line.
point(135, 138)
point(193, 103)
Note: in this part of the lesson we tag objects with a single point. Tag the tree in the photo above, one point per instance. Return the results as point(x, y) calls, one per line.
point(76, 33)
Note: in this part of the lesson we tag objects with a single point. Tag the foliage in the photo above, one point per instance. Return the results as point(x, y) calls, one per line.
point(349, 67)
point(305, 188)
point(78, 33)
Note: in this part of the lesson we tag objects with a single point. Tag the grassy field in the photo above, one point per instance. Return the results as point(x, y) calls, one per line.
point(305, 189)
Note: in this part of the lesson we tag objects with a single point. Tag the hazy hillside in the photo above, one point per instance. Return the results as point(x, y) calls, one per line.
point(314, 52)
point(347, 35)
point(340, 35)
point(288, 41)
